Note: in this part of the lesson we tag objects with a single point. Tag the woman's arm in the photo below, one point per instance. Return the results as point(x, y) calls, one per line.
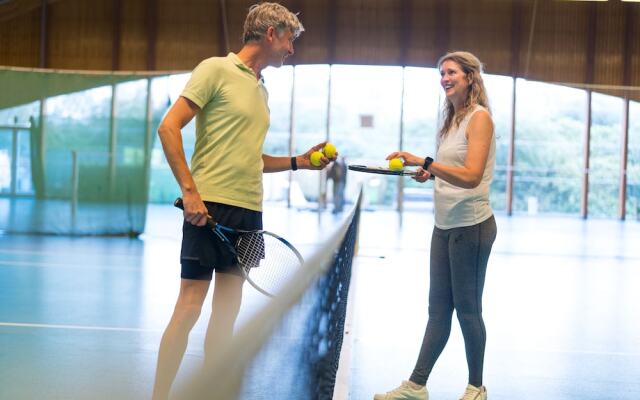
point(479, 135)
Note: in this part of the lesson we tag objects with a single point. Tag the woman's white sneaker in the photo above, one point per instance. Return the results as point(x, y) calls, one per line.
point(474, 393)
point(406, 391)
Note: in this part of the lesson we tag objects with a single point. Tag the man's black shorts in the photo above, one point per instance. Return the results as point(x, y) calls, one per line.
point(203, 252)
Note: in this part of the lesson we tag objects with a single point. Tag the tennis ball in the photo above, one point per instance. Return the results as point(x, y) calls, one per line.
point(329, 150)
point(315, 158)
point(396, 164)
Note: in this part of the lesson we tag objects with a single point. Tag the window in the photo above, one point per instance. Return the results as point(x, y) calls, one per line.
point(604, 166)
point(548, 148)
point(365, 124)
point(500, 89)
point(633, 163)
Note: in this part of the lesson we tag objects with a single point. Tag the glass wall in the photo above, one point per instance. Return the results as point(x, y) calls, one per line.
point(310, 128)
point(365, 125)
point(361, 109)
point(15, 149)
point(77, 125)
point(279, 82)
point(164, 92)
point(421, 115)
point(604, 165)
point(500, 89)
point(548, 148)
point(633, 163)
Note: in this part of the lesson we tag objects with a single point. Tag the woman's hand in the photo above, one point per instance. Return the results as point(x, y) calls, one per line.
point(422, 175)
point(409, 159)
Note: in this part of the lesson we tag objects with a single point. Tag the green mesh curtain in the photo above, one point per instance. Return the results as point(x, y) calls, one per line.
point(83, 141)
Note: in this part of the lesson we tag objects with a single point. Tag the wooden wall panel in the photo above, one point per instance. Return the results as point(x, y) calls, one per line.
point(424, 39)
point(236, 12)
point(133, 46)
point(634, 10)
point(20, 40)
point(483, 27)
point(80, 35)
point(609, 46)
point(368, 32)
point(313, 47)
point(382, 32)
point(559, 45)
point(188, 32)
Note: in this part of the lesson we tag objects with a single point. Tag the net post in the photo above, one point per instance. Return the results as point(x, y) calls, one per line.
point(75, 172)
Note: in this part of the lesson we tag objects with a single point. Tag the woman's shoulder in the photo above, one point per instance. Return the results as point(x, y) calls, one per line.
point(479, 113)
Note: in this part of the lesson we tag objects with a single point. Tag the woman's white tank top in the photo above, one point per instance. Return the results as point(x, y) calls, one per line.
point(455, 206)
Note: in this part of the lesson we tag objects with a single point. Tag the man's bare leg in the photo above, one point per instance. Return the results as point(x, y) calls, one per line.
point(174, 340)
point(227, 296)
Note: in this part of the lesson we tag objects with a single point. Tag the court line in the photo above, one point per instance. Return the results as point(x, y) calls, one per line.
point(76, 327)
point(86, 266)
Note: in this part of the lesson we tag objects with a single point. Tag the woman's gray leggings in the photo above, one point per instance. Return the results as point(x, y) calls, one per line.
point(459, 259)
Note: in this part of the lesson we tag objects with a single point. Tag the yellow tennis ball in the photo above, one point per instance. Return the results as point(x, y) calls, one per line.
point(315, 158)
point(396, 164)
point(329, 150)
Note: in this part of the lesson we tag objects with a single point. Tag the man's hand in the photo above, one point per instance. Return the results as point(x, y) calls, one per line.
point(304, 160)
point(195, 212)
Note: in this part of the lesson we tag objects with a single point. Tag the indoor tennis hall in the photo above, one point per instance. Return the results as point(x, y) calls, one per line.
point(91, 242)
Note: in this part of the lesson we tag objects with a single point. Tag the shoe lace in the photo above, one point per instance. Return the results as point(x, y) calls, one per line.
point(404, 385)
point(470, 394)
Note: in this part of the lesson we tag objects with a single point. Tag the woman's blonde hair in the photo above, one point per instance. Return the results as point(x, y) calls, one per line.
point(477, 94)
point(263, 15)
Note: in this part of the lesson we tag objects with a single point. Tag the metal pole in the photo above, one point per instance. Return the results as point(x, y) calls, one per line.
point(75, 176)
point(322, 197)
point(113, 138)
point(511, 155)
point(624, 155)
point(399, 179)
point(14, 156)
point(292, 124)
point(584, 207)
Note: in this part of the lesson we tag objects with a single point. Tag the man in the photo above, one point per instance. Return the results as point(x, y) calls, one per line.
point(228, 98)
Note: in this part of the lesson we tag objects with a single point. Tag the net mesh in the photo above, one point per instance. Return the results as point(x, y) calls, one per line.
point(75, 151)
point(290, 350)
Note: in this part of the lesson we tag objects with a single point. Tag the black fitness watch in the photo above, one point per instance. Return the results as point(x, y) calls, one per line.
point(427, 163)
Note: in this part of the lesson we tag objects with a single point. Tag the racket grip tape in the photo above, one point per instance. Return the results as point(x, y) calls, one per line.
point(179, 204)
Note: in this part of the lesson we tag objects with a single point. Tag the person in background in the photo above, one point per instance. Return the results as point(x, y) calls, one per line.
point(338, 174)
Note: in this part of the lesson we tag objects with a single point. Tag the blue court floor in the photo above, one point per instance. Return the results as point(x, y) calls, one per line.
point(81, 318)
point(561, 307)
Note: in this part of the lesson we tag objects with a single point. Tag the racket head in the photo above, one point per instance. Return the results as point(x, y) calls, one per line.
point(381, 170)
point(267, 260)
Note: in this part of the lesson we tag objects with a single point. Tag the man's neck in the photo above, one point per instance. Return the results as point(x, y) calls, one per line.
point(250, 56)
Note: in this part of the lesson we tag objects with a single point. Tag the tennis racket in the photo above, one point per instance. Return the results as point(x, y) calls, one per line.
point(384, 171)
point(266, 260)
point(381, 170)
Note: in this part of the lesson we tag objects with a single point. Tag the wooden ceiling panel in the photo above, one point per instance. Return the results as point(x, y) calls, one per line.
point(553, 41)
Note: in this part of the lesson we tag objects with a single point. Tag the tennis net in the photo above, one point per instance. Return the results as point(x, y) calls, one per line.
point(291, 349)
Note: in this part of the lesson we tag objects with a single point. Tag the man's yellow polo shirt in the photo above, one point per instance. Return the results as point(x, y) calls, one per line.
point(230, 131)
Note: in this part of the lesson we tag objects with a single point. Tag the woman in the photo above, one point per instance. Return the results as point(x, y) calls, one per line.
point(464, 229)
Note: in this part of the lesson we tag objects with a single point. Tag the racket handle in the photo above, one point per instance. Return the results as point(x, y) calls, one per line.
point(179, 204)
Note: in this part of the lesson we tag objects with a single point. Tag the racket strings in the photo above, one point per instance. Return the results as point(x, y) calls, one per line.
point(268, 261)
